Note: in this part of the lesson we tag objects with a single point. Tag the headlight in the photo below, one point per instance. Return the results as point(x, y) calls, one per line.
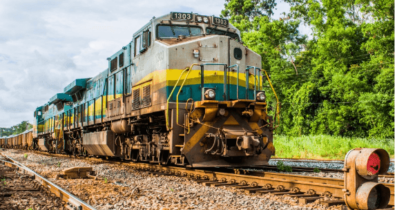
point(199, 19)
point(209, 94)
point(205, 19)
point(261, 96)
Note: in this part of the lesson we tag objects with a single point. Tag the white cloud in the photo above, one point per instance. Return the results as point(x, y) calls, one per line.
point(44, 45)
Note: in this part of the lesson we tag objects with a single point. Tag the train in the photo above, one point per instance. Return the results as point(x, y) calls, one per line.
point(184, 91)
point(23, 140)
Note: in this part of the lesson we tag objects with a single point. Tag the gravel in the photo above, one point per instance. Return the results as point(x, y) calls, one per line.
point(17, 192)
point(121, 187)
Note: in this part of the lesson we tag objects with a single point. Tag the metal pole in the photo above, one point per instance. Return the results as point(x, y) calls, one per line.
point(202, 80)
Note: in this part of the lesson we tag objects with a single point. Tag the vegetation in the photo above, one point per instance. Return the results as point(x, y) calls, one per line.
point(25, 156)
point(325, 146)
point(17, 129)
point(282, 167)
point(339, 81)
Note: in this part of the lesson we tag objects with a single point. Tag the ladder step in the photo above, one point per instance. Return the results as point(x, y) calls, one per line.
point(180, 146)
point(181, 135)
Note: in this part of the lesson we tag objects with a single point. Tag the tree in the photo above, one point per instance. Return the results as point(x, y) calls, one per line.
point(242, 12)
point(341, 81)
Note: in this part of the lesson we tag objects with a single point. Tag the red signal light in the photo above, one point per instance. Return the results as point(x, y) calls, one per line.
point(362, 167)
point(373, 166)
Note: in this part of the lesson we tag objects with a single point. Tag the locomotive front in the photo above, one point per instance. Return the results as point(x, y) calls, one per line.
point(216, 110)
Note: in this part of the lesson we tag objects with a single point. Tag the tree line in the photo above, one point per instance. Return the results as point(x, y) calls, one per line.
point(17, 129)
point(340, 79)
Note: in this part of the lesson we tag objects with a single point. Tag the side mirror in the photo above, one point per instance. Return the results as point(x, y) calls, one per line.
point(145, 43)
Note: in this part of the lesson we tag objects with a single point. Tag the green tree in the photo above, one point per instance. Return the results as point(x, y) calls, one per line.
point(242, 12)
point(351, 66)
point(20, 128)
point(339, 82)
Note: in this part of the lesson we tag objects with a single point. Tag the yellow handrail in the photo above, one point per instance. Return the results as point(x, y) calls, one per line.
point(168, 99)
point(189, 113)
point(278, 102)
point(182, 85)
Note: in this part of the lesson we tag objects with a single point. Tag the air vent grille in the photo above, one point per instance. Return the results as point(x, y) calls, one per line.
point(136, 99)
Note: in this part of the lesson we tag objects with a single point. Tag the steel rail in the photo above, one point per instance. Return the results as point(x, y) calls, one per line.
point(250, 181)
point(318, 186)
point(71, 200)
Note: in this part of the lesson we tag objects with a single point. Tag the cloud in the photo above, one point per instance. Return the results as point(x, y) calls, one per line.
point(44, 45)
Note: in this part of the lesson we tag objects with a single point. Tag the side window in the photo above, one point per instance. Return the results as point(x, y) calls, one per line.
point(121, 60)
point(137, 46)
point(114, 63)
point(146, 42)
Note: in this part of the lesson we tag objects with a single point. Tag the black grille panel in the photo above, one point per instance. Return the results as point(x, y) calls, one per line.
point(136, 99)
point(146, 101)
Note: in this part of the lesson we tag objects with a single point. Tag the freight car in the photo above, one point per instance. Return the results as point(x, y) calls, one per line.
point(184, 91)
point(20, 141)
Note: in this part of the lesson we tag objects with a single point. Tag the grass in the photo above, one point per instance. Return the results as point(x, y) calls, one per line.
point(282, 167)
point(325, 146)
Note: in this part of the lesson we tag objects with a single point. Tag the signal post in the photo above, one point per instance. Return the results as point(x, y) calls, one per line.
point(362, 167)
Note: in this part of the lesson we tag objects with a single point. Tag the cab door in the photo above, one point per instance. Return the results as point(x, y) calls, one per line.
point(119, 85)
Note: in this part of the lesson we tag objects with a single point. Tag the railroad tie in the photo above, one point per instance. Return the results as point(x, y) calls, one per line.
point(306, 200)
point(332, 202)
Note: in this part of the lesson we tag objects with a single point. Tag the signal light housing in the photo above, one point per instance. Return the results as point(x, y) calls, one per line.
point(361, 169)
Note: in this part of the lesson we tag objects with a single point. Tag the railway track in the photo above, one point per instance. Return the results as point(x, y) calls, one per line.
point(308, 169)
point(24, 188)
point(307, 188)
point(328, 191)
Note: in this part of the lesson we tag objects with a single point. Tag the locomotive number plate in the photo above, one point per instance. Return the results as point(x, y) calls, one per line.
point(220, 21)
point(181, 16)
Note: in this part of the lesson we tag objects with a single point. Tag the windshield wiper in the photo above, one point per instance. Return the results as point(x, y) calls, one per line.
point(172, 30)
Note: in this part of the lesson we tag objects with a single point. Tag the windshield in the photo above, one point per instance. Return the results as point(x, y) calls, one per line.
point(219, 32)
point(167, 31)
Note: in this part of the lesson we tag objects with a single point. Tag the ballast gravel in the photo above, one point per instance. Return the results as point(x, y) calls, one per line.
point(121, 187)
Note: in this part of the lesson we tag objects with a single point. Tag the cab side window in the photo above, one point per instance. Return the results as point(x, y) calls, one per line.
point(142, 42)
point(137, 45)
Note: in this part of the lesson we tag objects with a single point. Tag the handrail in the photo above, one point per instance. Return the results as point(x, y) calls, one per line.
point(237, 86)
point(278, 101)
point(179, 91)
point(168, 99)
point(202, 77)
point(247, 80)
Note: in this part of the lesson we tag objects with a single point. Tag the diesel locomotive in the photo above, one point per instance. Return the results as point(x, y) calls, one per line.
point(184, 91)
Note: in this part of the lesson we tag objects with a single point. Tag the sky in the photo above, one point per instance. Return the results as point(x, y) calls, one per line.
point(46, 44)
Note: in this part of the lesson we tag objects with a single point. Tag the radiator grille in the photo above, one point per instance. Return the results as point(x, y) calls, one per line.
point(114, 64)
point(136, 99)
point(146, 101)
